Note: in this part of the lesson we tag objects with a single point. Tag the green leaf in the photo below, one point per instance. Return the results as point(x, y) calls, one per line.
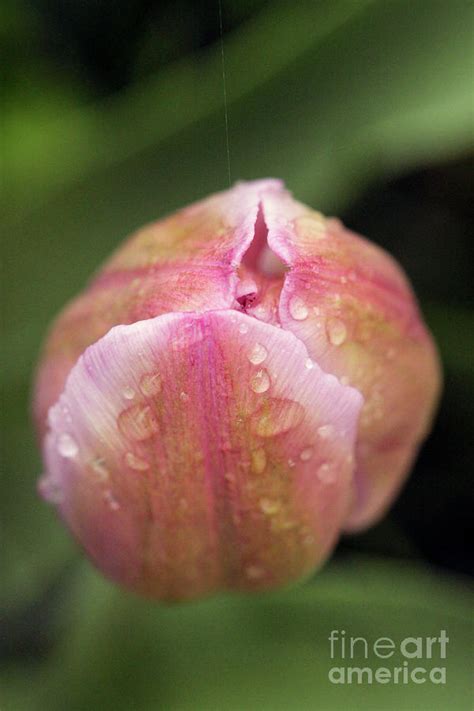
point(326, 94)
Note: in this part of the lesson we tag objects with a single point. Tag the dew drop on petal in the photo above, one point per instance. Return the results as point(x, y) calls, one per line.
point(150, 384)
point(260, 382)
point(325, 473)
point(258, 354)
point(50, 489)
point(309, 364)
point(259, 460)
point(277, 416)
point(138, 422)
point(306, 454)
point(184, 397)
point(243, 328)
point(291, 463)
point(135, 462)
point(66, 414)
point(261, 313)
point(326, 431)
point(128, 392)
point(269, 507)
point(99, 468)
point(298, 308)
point(111, 501)
point(67, 446)
point(336, 331)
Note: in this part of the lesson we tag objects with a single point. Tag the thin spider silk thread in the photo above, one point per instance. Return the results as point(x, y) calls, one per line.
point(224, 87)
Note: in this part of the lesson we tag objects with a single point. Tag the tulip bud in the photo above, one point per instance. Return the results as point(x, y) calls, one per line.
point(240, 382)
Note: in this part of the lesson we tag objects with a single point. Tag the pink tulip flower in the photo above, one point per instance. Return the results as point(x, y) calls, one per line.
point(240, 383)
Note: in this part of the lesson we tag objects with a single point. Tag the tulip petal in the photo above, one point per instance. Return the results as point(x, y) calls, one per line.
point(352, 306)
point(186, 262)
point(195, 452)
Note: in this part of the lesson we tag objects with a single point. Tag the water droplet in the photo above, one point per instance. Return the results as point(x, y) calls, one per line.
point(66, 414)
point(269, 507)
point(276, 416)
point(260, 382)
point(138, 422)
point(134, 462)
point(336, 331)
point(243, 328)
point(291, 463)
point(184, 397)
point(279, 524)
point(112, 502)
point(326, 473)
point(67, 446)
point(258, 354)
point(50, 489)
point(306, 454)
point(150, 384)
point(100, 469)
point(261, 313)
point(254, 572)
point(309, 364)
point(298, 308)
point(326, 431)
point(259, 460)
point(128, 392)
point(190, 335)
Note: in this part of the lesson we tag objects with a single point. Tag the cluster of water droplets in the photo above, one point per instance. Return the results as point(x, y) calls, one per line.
point(336, 329)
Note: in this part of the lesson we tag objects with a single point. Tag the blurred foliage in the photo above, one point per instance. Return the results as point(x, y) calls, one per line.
point(113, 115)
point(269, 652)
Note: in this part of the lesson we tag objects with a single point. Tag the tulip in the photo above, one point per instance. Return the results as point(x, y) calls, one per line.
point(240, 383)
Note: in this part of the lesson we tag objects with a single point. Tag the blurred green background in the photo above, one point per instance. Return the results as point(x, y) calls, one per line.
point(112, 115)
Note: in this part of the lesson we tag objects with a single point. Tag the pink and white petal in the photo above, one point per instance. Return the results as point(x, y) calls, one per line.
point(352, 306)
point(196, 452)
